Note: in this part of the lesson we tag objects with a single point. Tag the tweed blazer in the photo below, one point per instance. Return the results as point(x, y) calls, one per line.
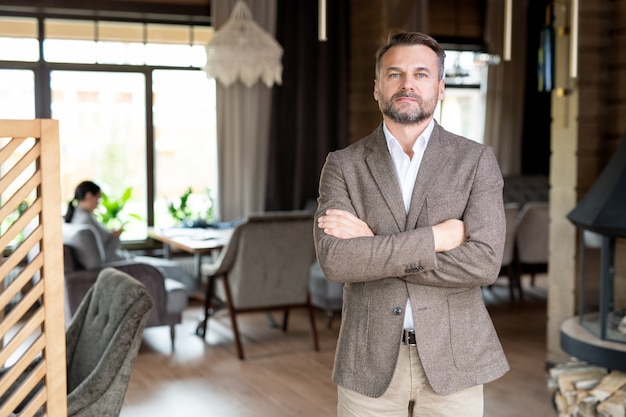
point(457, 343)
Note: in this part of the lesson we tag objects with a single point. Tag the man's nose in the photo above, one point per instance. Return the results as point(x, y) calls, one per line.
point(407, 83)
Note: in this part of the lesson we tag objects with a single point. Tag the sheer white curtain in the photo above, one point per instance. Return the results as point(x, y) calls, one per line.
point(243, 121)
point(505, 86)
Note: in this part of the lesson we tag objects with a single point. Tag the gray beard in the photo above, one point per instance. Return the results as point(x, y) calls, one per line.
point(406, 118)
point(403, 117)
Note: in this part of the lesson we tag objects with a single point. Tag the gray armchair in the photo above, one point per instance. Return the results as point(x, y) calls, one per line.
point(83, 263)
point(264, 267)
point(102, 343)
point(103, 340)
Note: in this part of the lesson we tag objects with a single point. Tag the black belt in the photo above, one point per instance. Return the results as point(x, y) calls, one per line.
point(408, 337)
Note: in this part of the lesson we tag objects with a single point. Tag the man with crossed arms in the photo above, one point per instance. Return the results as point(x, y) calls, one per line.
point(411, 219)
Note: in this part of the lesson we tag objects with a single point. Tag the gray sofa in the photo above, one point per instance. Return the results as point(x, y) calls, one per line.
point(83, 262)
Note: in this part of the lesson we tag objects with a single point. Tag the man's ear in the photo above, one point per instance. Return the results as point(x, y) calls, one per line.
point(442, 89)
point(375, 89)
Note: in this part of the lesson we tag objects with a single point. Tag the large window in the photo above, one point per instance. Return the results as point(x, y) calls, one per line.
point(135, 109)
point(186, 156)
point(102, 134)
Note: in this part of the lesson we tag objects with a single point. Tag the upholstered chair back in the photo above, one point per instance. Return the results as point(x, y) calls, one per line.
point(103, 340)
point(533, 233)
point(511, 210)
point(274, 252)
point(85, 243)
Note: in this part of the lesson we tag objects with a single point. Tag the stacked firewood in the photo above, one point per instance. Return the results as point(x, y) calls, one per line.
point(583, 390)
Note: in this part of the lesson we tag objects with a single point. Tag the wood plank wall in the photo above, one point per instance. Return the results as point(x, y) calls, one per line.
point(617, 72)
point(368, 23)
point(588, 123)
point(462, 19)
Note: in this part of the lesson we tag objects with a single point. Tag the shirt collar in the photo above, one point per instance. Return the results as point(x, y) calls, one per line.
point(393, 142)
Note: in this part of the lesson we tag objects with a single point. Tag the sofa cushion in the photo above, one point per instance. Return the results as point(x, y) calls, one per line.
point(85, 242)
point(177, 298)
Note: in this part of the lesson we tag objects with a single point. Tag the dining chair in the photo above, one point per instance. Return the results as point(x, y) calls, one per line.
point(263, 268)
point(532, 238)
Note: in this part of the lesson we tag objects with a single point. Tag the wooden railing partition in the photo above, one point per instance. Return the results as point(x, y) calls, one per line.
point(32, 324)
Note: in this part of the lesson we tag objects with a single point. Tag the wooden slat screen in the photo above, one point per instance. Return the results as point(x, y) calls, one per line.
point(32, 324)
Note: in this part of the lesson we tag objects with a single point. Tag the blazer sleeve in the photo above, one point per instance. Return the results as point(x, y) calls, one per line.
point(410, 254)
point(478, 260)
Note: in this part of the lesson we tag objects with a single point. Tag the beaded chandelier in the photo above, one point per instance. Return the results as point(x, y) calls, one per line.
point(242, 50)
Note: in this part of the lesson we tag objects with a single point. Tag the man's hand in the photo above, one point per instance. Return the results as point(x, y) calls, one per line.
point(449, 234)
point(343, 224)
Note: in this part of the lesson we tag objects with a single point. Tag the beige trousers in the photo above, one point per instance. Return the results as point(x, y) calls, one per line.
point(410, 394)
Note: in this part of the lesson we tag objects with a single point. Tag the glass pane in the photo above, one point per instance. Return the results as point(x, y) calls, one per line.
point(185, 142)
point(462, 111)
point(171, 55)
point(119, 53)
point(19, 49)
point(103, 137)
point(60, 50)
point(17, 94)
point(463, 67)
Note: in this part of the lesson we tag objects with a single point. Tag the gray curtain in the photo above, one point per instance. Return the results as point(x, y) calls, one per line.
point(505, 86)
point(310, 109)
point(243, 116)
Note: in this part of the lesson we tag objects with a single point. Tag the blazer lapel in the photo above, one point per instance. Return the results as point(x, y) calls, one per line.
point(380, 164)
point(435, 156)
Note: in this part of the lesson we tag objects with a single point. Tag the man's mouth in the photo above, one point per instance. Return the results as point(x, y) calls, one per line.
point(403, 96)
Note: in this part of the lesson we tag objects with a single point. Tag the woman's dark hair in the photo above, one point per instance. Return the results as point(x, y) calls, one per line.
point(81, 191)
point(408, 39)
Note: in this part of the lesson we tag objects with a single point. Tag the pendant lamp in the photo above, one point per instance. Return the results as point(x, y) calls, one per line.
point(242, 51)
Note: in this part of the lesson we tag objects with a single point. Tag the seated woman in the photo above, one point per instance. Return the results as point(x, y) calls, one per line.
point(80, 211)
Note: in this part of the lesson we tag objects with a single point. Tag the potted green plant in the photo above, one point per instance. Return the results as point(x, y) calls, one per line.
point(180, 210)
point(192, 210)
point(110, 210)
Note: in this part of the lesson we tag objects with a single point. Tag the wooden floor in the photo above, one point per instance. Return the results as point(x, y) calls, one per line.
point(283, 377)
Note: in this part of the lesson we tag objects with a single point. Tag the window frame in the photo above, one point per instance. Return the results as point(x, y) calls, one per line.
point(43, 100)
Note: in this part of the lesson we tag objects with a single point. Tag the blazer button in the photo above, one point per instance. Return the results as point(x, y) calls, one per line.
point(397, 311)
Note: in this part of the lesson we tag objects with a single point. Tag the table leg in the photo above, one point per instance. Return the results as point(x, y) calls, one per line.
point(208, 309)
point(197, 266)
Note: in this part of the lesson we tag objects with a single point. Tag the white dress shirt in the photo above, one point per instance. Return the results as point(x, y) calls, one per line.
point(406, 171)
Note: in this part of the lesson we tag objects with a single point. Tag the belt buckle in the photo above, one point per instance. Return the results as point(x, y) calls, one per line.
point(408, 337)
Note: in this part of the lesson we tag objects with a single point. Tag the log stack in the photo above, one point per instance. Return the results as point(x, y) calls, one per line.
point(584, 390)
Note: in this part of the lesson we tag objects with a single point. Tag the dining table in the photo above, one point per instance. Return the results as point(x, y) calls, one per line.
point(196, 241)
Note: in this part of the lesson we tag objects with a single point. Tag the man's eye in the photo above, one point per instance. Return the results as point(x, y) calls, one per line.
point(422, 75)
point(394, 75)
